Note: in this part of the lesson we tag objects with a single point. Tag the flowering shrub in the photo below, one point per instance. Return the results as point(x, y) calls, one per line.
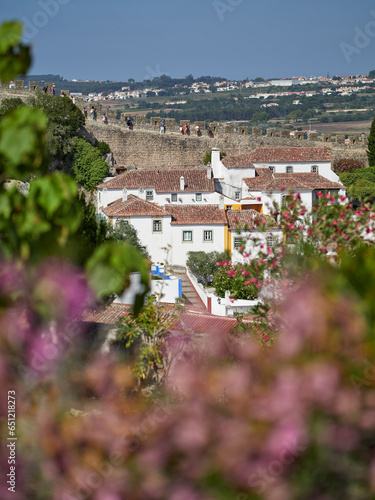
point(234, 421)
point(347, 165)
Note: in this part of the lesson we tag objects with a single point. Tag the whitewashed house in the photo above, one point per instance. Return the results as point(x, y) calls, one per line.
point(199, 209)
point(267, 174)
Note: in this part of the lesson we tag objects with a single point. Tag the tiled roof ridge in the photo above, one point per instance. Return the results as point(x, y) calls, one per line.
point(130, 201)
point(120, 180)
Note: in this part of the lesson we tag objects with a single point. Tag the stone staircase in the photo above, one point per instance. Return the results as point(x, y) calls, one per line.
point(192, 300)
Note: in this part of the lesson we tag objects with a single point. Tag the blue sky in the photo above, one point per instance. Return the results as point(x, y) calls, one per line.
point(121, 39)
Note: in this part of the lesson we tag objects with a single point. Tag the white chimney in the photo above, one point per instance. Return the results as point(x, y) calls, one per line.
point(182, 183)
point(124, 194)
point(215, 157)
point(104, 198)
point(221, 202)
point(209, 171)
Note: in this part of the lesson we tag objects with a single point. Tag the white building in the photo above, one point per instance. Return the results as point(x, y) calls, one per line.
point(199, 209)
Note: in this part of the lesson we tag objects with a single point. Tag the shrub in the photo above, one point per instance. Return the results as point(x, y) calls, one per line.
point(347, 165)
point(240, 282)
point(103, 147)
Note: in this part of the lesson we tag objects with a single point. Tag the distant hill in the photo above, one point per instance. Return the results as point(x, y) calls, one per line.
point(41, 78)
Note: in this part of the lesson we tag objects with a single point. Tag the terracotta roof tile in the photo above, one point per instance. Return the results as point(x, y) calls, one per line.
point(197, 214)
point(265, 181)
point(187, 322)
point(285, 155)
point(241, 218)
point(133, 206)
point(109, 315)
point(243, 161)
point(163, 181)
point(277, 155)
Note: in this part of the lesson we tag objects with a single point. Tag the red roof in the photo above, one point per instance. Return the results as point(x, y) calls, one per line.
point(133, 206)
point(163, 181)
point(188, 322)
point(287, 155)
point(246, 218)
point(197, 214)
point(266, 181)
point(243, 161)
point(277, 155)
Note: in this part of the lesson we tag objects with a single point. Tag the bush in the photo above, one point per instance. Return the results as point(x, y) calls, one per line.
point(89, 168)
point(347, 165)
point(240, 283)
point(103, 148)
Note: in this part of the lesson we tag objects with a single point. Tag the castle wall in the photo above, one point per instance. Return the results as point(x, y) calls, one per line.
point(144, 147)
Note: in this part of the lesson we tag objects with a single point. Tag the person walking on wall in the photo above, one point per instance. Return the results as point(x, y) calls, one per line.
point(162, 127)
point(93, 112)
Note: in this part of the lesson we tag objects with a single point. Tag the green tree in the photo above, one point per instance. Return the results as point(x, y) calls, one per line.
point(371, 145)
point(295, 115)
point(372, 74)
point(360, 183)
point(64, 121)
point(124, 231)
point(89, 168)
point(260, 117)
point(8, 105)
point(204, 264)
point(103, 147)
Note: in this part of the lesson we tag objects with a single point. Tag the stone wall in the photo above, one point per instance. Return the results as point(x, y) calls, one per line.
point(146, 148)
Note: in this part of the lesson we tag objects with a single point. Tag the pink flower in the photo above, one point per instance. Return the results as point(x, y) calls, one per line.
point(231, 273)
point(319, 194)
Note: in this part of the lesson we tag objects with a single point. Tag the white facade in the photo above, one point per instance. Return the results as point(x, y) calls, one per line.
point(322, 168)
point(154, 233)
point(182, 244)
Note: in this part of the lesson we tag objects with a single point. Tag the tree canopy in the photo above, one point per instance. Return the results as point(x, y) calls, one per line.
point(89, 168)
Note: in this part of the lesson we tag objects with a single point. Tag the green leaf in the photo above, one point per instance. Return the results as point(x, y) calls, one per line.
point(22, 141)
point(109, 270)
point(15, 57)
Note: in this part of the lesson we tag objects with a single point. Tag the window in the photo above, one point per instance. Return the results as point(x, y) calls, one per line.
point(149, 195)
point(237, 242)
point(272, 170)
point(156, 226)
point(228, 207)
point(289, 169)
point(284, 200)
point(315, 169)
point(187, 236)
point(207, 235)
point(174, 197)
point(271, 241)
point(237, 195)
point(198, 196)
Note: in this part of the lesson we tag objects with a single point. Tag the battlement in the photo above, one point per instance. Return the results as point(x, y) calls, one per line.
point(239, 138)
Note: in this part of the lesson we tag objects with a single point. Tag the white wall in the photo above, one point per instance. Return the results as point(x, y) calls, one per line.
point(269, 197)
point(179, 250)
point(184, 197)
point(324, 168)
point(153, 241)
point(254, 251)
point(169, 288)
